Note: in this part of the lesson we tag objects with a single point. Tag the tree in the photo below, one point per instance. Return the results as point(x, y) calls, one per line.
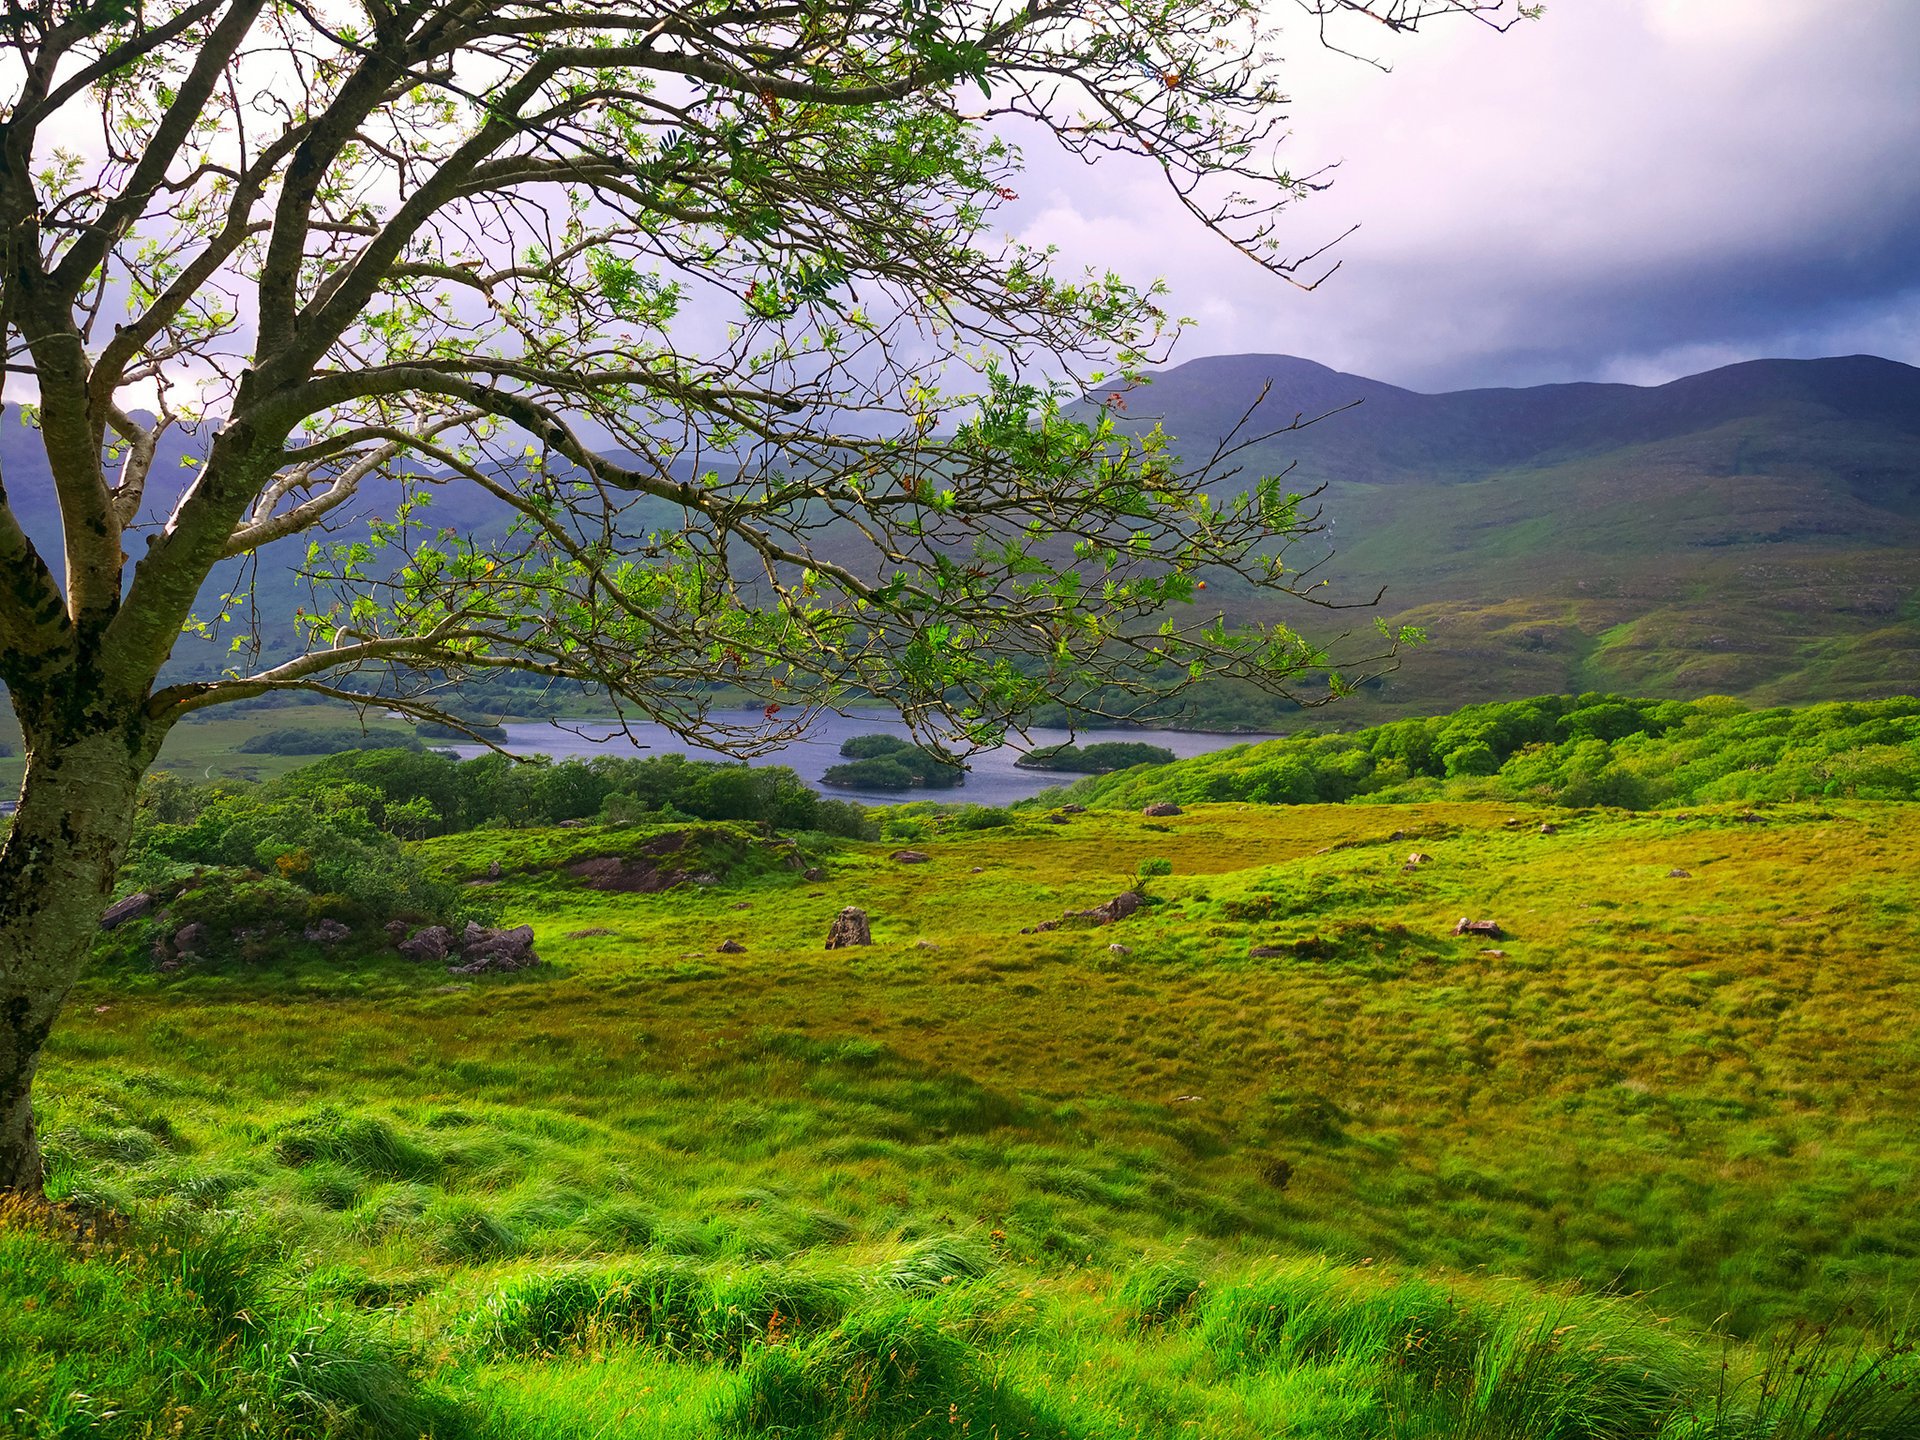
point(679, 288)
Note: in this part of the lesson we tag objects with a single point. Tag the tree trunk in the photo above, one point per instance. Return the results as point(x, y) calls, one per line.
point(57, 870)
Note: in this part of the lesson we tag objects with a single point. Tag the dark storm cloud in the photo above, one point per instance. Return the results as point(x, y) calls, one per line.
point(1627, 189)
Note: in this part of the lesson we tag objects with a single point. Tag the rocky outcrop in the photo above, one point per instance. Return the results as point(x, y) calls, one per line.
point(647, 871)
point(189, 942)
point(1161, 808)
point(1126, 903)
point(910, 857)
point(427, 946)
point(131, 908)
point(484, 951)
point(731, 947)
point(326, 932)
point(1489, 928)
point(850, 927)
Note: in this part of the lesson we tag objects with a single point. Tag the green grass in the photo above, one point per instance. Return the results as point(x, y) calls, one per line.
point(1379, 1183)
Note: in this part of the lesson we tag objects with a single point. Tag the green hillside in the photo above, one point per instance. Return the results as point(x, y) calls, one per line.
point(1592, 749)
point(1279, 1154)
point(1753, 531)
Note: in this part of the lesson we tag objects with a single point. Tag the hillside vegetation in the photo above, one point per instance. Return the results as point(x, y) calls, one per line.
point(1591, 749)
point(1751, 531)
point(1279, 1154)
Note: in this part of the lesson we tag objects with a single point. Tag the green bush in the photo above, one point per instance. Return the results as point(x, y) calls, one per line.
point(1573, 750)
point(886, 762)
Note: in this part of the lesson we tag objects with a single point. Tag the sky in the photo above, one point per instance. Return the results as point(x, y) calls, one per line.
point(1628, 190)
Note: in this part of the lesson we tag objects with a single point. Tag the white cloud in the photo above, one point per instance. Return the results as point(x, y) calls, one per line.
point(1612, 189)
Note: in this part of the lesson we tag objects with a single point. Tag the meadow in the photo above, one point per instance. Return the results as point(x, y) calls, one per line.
point(1278, 1155)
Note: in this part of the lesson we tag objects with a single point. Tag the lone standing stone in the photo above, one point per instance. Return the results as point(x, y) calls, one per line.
point(849, 928)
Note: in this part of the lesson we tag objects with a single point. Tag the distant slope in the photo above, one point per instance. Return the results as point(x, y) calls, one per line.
point(1754, 530)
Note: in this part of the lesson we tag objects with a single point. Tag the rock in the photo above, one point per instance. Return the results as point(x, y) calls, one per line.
point(977, 870)
point(1511, 822)
point(1494, 954)
point(189, 939)
point(121, 911)
point(641, 873)
point(1058, 820)
point(326, 932)
point(742, 905)
point(485, 951)
point(849, 928)
point(731, 947)
point(1416, 859)
point(1679, 874)
point(591, 932)
point(1490, 928)
point(925, 945)
point(397, 930)
point(574, 824)
point(1126, 903)
point(1073, 809)
point(1547, 827)
point(1161, 808)
point(427, 945)
point(1266, 952)
point(493, 870)
point(910, 857)
point(1118, 949)
point(1749, 818)
point(813, 875)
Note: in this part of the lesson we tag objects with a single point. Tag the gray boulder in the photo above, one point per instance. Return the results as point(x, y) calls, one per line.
point(850, 927)
point(326, 932)
point(484, 951)
point(428, 945)
point(121, 911)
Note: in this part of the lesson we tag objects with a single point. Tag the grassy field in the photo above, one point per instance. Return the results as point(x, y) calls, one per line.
point(1583, 1180)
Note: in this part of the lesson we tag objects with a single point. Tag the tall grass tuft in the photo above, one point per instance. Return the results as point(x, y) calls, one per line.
point(890, 1372)
point(661, 1304)
point(937, 1262)
point(1158, 1293)
point(359, 1143)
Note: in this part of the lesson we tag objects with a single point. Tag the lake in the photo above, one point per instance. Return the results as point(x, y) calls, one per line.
point(992, 778)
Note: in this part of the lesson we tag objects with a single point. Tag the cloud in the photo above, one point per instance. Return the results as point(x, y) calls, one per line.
point(1621, 188)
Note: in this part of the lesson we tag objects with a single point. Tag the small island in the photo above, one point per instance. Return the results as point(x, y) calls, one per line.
point(1097, 759)
point(886, 762)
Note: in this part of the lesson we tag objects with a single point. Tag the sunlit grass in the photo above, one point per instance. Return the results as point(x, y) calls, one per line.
point(1056, 1169)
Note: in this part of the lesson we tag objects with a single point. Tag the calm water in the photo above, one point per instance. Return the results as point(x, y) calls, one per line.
point(991, 776)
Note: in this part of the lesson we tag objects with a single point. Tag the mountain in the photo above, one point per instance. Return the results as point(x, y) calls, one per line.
point(1753, 531)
